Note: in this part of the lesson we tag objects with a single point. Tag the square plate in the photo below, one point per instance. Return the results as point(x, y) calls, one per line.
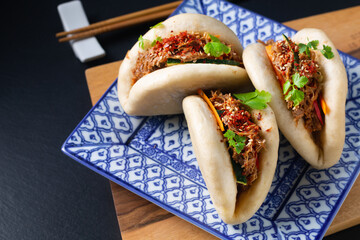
point(153, 156)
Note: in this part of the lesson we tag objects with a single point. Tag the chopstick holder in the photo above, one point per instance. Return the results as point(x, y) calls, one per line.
point(73, 16)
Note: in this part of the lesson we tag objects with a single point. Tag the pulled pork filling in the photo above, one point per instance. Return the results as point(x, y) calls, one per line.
point(237, 118)
point(184, 46)
point(283, 60)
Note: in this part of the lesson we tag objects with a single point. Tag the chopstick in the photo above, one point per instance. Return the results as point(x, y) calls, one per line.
point(119, 22)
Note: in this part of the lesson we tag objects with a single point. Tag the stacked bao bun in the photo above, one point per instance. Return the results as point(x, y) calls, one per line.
point(168, 90)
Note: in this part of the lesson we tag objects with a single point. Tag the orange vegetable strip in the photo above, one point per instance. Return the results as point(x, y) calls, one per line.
point(207, 100)
point(324, 107)
point(278, 73)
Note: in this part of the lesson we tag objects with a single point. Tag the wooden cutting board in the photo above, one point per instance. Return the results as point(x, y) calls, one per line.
point(141, 219)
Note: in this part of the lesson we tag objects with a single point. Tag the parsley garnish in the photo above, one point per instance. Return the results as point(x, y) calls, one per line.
point(255, 100)
point(160, 24)
point(235, 141)
point(158, 39)
point(294, 94)
point(326, 51)
point(306, 48)
point(215, 48)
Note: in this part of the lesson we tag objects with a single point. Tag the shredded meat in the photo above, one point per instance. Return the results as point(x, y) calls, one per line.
point(283, 60)
point(183, 46)
point(237, 118)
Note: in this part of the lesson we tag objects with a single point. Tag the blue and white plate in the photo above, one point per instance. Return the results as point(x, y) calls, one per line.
point(153, 156)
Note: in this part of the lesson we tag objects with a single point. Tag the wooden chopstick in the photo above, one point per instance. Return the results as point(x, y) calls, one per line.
point(114, 26)
point(120, 22)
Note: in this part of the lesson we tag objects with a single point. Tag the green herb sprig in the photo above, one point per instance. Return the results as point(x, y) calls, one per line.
point(255, 100)
point(306, 47)
point(326, 51)
point(235, 141)
point(293, 94)
point(215, 48)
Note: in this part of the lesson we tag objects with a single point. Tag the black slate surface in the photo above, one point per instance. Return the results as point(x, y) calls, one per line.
point(43, 95)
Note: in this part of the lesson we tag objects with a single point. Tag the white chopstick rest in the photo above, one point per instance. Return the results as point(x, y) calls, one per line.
point(73, 16)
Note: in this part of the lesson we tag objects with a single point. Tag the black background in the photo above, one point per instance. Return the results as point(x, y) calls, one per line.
point(43, 96)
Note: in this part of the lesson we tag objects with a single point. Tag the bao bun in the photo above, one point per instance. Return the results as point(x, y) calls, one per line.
point(214, 161)
point(332, 135)
point(162, 91)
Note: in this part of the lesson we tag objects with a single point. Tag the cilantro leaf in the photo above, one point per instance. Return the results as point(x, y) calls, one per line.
point(288, 95)
point(239, 147)
point(302, 47)
point(232, 143)
point(245, 96)
point(294, 94)
point(297, 96)
point(240, 139)
point(229, 134)
point(160, 24)
point(263, 96)
point(235, 141)
point(298, 80)
point(240, 143)
point(286, 86)
point(313, 44)
point(306, 48)
point(254, 104)
point(326, 51)
point(255, 100)
point(215, 48)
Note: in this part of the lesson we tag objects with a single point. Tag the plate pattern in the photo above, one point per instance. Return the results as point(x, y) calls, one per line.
point(153, 156)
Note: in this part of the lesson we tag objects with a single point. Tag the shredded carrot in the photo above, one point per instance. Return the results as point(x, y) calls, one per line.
point(324, 107)
point(207, 100)
point(268, 50)
point(278, 73)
